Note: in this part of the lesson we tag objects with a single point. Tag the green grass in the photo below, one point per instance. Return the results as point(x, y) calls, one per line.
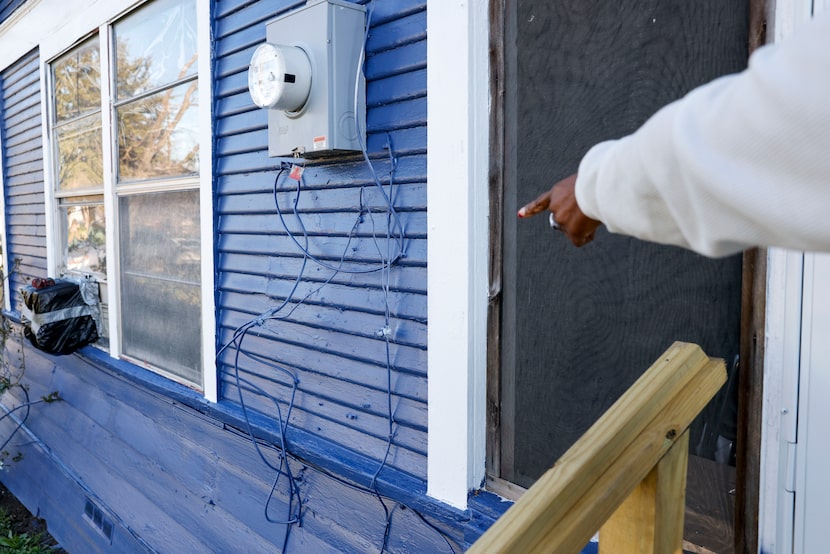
point(12, 542)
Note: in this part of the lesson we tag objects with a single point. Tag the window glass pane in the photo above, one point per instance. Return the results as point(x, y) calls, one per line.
point(155, 46)
point(80, 157)
point(77, 81)
point(158, 135)
point(160, 281)
point(84, 234)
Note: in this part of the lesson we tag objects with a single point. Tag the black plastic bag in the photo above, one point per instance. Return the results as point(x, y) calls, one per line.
point(61, 317)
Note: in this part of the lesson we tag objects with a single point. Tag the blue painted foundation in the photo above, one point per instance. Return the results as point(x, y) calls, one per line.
point(174, 474)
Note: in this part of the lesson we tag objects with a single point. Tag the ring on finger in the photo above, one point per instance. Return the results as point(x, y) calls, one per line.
point(552, 220)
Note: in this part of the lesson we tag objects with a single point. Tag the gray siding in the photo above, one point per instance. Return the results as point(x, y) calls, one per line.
point(23, 171)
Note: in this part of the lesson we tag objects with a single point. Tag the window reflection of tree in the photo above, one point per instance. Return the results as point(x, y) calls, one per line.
point(153, 131)
point(78, 82)
point(77, 89)
point(150, 128)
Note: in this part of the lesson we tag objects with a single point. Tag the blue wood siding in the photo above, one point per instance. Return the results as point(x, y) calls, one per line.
point(332, 343)
point(169, 478)
point(7, 7)
point(23, 171)
point(172, 472)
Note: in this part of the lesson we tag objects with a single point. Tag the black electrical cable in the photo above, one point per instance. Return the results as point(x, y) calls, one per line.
point(26, 404)
point(385, 332)
point(238, 337)
point(259, 319)
point(434, 528)
point(368, 491)
point(243, 330)
point(393, 222)
point(304, 249)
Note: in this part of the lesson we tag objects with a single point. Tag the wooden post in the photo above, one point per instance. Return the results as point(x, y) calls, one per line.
point(650, 521)
point(573, 499)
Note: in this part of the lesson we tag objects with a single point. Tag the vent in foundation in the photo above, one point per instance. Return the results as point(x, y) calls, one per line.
point(95, 517)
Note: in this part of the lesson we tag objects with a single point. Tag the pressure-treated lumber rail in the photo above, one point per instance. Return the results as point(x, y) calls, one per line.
point(625, 475)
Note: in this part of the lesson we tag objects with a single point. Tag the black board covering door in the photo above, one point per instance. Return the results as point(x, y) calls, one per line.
point(578, 326)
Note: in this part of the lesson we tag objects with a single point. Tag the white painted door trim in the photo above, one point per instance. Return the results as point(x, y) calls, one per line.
point(457, 206)
point(780, 398)
point(789, 306)
point(812, 481)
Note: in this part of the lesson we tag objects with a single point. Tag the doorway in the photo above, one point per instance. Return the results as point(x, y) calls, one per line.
point(576, 327)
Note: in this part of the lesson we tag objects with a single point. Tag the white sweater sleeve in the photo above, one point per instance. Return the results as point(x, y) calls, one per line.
point(743, 161)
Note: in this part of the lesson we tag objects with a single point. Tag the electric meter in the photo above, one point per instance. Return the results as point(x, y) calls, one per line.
point(279, 77)
point(308, 77)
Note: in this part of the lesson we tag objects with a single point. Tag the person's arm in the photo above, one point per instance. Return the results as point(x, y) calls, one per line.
point(743, 161)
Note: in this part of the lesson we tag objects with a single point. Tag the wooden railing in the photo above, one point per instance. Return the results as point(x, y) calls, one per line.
point(626, 476)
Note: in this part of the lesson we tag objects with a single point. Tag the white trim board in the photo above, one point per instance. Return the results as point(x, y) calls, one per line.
point(780, 396)
point(209, 374)
point(457, 251)
point(39, 23)
point(782, 355)
point(811, 480)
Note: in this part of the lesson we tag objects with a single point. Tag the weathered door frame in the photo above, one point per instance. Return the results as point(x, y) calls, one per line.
point(752, 314)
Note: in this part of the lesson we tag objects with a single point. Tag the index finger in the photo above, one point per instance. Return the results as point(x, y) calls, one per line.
point(539, 205)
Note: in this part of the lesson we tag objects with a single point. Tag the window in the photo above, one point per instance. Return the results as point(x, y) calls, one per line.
point(126, 174)
point(78, 145)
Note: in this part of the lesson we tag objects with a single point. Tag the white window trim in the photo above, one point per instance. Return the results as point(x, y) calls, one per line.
point(4, 244)
point(110, 199)
point(458, 144)
point(205, 38)
point(38, 24)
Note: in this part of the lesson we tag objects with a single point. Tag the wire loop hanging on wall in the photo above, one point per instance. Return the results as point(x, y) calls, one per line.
point(389, 255)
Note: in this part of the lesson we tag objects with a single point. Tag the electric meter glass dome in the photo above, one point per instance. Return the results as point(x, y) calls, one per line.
point(279, 77)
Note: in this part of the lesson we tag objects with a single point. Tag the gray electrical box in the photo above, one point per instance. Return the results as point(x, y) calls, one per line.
point(331, 34)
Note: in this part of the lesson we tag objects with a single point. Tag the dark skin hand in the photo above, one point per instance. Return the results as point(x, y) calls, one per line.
point(561, 201)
